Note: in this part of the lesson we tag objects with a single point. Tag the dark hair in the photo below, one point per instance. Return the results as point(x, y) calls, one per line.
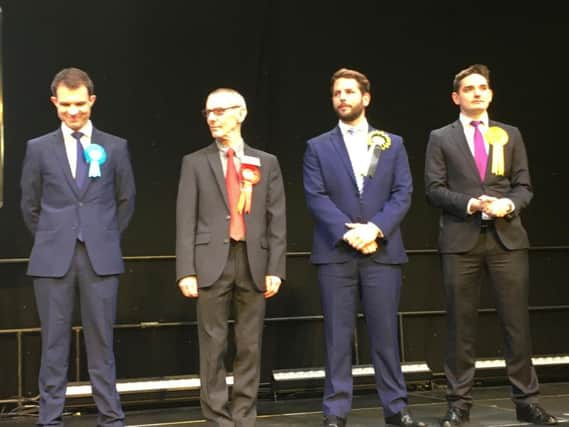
point(472, 69)
point(346, 73)
point(72, 78)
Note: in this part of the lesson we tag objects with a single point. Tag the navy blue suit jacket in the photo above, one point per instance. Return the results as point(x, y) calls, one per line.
point(54, 209)
point(333, 199)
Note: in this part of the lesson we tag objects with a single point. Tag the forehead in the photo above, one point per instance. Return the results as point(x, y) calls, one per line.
point(474, 80)
point(222, 99)
point(64, 92)
point(344, 83)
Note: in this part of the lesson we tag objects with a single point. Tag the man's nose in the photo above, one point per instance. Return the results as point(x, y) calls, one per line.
point(73, 110)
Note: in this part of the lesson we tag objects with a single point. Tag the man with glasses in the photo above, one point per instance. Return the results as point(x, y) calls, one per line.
point(230, 252)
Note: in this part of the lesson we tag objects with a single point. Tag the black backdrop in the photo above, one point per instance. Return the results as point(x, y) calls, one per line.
point(153, 63)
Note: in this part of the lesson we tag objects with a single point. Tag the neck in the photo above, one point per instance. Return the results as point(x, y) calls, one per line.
point(354, 122)
point(474, 115)
point(230, 142)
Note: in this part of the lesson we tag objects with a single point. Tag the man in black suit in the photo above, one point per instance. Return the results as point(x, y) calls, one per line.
point(230, 252)
point(77, 198)
point(476, 172)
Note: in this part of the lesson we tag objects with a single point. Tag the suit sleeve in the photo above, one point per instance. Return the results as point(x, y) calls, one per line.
point(436, 180)
point(31, 187)
point(186, 220)
point(327, 216)
point(389, 218)
point(124, 187)
point(521, 191)
point(276, 223)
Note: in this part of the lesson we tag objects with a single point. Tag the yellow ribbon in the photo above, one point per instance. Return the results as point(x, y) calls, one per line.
point(497, 138)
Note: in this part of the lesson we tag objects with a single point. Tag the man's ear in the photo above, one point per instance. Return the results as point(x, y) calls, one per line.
point(242, 114)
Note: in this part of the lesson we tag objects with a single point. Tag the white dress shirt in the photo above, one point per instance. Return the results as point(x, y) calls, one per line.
point(355, 138)
point(71, 143)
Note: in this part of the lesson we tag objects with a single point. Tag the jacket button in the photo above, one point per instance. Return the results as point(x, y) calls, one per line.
point(225, 240)
point(228, 217)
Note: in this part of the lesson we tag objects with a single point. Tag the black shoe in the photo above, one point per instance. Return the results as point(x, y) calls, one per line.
point(455, 417)
point(535, 414)
point(334, 421)
point(403, 419)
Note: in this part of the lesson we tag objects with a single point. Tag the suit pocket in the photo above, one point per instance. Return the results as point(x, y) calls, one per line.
point(203, 238)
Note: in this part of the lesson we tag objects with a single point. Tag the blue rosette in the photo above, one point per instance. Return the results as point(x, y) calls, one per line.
point(95, 155)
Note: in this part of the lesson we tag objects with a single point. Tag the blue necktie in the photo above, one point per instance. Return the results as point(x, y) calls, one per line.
point(81, 169)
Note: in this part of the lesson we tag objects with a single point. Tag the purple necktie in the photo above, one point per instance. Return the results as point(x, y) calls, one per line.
point(480, 156)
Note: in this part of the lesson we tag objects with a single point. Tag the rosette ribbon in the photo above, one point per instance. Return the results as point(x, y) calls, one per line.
point(377, 141)
point(250, 175)
point(95, 156)
point(497, 137)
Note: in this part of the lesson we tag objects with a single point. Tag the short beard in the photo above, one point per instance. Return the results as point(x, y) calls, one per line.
point(352, 115)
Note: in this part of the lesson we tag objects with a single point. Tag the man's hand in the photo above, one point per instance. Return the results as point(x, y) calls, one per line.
point(360, 236)
point(499, 208)
point(189, 286)
point(479, 204)
point(273, 284)
point(369, 248)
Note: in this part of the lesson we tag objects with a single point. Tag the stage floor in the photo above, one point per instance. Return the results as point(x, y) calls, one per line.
point(492, 407)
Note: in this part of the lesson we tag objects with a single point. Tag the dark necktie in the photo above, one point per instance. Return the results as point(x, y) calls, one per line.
point(480, 156)
point(81, 168)
point(236, 222)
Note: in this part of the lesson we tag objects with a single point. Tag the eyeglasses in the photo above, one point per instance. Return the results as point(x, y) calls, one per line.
point(218, 111)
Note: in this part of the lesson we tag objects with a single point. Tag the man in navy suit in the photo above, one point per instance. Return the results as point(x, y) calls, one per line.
point(358, 189)
point(77, 198)
point(476, 172)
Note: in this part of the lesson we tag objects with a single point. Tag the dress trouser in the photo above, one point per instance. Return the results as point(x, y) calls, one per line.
point(377, 286)
point(234, 289)
point(508, 273)
point(55, 298)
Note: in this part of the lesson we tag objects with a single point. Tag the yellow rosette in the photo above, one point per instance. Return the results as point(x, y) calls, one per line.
point(250, 175)
point(379, 138)
point(497, 137)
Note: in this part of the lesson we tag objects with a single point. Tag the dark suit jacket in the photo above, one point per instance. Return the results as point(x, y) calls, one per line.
point(54, 209)
point(202, 232)
point(333, 199)
point(451, 180)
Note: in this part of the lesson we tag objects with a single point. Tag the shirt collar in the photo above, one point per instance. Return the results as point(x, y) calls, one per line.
point(467, 120)
point(86, 130)
point(361, 127)
point(239, 148)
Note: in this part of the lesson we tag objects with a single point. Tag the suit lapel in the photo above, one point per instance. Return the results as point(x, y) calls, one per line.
point(459, 141)
point(215, 165)
point(96, 138)
point(342, 153)
point(62, 160)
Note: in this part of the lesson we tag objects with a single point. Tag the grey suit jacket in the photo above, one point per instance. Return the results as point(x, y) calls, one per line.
point(202, 219)
point(451, 180)
point(55, 210)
